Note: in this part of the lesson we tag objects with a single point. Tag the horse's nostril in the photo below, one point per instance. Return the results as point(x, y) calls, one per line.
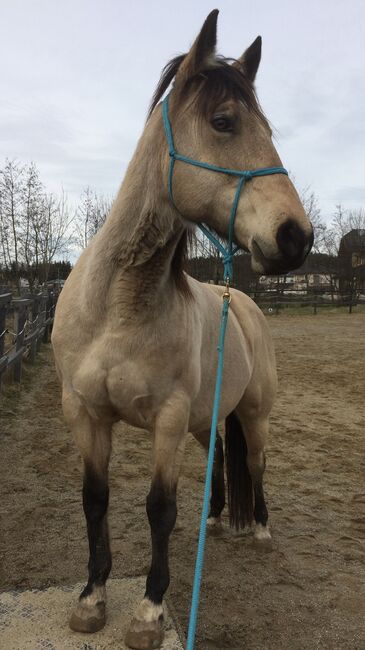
point(291, 240)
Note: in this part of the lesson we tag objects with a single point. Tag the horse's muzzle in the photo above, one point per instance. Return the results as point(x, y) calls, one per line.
point(293, 247)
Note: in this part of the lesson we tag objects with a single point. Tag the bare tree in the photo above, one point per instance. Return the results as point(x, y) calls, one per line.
point(311, 206)
point(91, 213)
point(54, 232)
point(30, 221)
point(11, 198)
point(34, 226)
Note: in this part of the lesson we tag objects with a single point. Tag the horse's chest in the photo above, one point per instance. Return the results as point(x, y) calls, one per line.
point(135, 391)
point(133, 380)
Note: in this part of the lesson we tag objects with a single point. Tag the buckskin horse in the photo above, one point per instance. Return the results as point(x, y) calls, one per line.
point(135, 337)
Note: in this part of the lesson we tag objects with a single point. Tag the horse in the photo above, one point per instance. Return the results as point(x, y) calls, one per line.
point(135, 337)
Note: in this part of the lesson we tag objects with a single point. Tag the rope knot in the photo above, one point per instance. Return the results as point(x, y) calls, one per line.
point(228, 265)
point(247, 175)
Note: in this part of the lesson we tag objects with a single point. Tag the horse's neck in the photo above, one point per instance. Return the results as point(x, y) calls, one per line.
point(130, 261)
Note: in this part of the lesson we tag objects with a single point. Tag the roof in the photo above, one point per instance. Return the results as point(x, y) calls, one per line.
point(353, 242)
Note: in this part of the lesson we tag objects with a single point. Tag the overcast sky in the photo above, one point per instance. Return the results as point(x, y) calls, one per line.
point(77, 77)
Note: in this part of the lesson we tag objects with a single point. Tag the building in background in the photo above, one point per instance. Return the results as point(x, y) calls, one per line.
point(351, 257)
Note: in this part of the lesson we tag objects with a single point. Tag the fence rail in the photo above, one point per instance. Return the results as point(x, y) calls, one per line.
point(24, 323)
point(276, 302)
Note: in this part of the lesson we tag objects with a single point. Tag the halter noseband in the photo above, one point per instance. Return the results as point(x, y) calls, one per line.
point(244, 175)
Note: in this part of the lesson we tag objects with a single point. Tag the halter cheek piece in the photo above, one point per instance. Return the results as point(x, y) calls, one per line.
point(245, 175)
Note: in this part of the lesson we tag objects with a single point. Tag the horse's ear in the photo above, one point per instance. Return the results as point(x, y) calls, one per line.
point(250, 59)
point(202, 50)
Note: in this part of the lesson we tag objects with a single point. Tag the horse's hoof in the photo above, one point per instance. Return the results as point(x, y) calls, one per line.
point(262, 534)
point(88, 618)
point(214, 522)
point(144, 636)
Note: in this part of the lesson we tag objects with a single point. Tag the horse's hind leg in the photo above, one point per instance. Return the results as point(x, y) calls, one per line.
point(146, 629)
point(93, 438)
point(256, 427)
point(217, 500)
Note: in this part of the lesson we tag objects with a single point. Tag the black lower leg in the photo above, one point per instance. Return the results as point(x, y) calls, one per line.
point(260, 511)
point(95, 501)
point(217, 501)
point(161, 511)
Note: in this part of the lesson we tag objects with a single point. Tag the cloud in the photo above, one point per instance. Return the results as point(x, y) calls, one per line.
point(351, 194)
point(79, 77)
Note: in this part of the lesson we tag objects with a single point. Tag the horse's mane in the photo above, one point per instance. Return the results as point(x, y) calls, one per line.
point(223, 79)
point(214, 85)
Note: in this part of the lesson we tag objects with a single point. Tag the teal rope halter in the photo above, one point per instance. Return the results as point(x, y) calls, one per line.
point(244, 175)
point(227, 254)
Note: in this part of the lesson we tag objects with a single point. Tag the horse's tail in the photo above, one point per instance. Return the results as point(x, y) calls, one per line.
point(240, 494)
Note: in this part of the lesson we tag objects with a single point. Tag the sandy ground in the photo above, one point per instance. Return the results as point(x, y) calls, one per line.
point(306, 592)
point(24, 626)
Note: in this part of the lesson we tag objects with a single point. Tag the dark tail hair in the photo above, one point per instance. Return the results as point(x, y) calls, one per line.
point(240, 494)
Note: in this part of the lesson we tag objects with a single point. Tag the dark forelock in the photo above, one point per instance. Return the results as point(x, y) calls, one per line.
point(217, 83)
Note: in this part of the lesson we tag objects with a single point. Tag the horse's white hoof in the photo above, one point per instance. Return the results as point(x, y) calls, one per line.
point(89, 614)
point(262, 533)
point(143, 635)
point(88, 618)
point(214, 522)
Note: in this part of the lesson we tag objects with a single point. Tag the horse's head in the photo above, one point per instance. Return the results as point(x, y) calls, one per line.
point(216, 119)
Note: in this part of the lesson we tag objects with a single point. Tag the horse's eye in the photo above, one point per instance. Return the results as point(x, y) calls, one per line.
point(222, 123)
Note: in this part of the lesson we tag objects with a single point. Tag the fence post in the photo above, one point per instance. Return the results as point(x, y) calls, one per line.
point(351, 294)
point(48, 312)
point(21, 316)
point(277, 305)
point(35, 319)
point(3, 307)
point(2, 329)
point(42, 319)
point(315, 305)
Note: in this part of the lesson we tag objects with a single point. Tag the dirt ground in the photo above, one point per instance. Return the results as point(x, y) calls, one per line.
point(307, 591)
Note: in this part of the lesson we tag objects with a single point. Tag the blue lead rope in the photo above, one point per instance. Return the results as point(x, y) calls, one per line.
point(227, 256)
point(208, 480)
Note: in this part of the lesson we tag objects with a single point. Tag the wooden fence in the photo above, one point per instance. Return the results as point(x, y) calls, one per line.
point(24, 323)
point(273, 302)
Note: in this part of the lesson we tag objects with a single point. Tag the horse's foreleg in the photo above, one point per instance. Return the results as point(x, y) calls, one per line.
point(217, 500)
point(93, 439)
point(146, 629)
